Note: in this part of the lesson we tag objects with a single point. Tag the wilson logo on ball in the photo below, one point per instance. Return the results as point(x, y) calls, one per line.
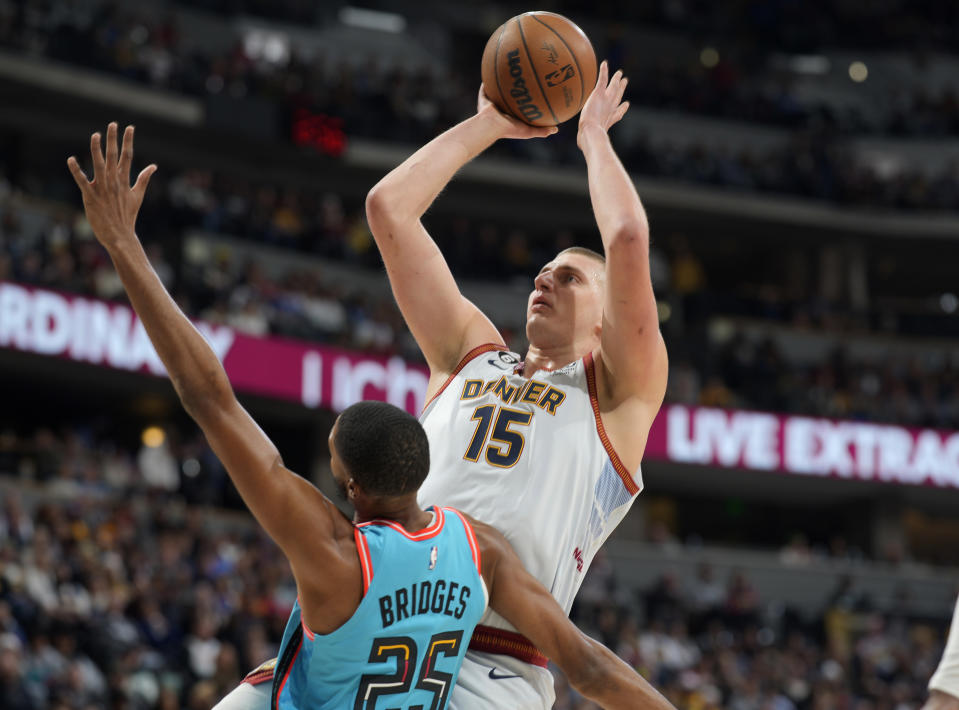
point(555, 78)
point(519, 92)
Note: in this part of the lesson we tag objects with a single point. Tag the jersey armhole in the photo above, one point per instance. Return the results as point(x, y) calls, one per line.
point(472, 354)
point(627, 478)
point(366, 561)
point(471, 538)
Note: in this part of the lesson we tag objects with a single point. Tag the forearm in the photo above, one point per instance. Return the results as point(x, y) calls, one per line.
point(193, 368)
point(410, 188)
point(617, 207)
point(613, 684)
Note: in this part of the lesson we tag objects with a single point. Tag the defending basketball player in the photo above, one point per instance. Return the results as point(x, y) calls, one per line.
point(360, 630)
point(547, 450)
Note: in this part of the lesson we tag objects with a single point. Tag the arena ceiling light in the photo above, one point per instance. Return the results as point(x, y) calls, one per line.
point(858, 72)
point(266, 45)
point(372, 19)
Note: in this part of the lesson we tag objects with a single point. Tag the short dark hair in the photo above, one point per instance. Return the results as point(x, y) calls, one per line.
point(585, 251)
point(384, 449)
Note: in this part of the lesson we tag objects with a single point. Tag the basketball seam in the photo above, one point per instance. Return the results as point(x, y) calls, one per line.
point(502, 96)
point(582, 82)
point(532, 68)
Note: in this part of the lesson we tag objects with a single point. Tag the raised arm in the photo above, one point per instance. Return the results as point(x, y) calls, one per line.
point(445, 324)
point(294, 513)
point(633, 352)
point(594, 670)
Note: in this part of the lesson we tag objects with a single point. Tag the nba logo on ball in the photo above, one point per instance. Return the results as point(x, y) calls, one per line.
point(539, 67)
point(555, 78)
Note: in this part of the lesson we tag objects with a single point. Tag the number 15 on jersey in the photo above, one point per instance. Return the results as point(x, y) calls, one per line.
point(498, 435)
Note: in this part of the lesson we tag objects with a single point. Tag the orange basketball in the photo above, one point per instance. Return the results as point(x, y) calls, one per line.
point(539, 67)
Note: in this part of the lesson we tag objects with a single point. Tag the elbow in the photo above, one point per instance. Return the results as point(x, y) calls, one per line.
point(382, 209)
point(377, 202)
point(629, 234)
point(202, 398)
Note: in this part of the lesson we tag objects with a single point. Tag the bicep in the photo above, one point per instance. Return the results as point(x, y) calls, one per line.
point(445, 323)
point(289, 507)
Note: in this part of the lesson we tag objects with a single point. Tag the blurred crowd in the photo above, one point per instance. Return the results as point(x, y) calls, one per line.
point(143, 602)
point(131, 603)
point(756, 374)
point(50, 245)
point(713, 644)
point(402, 104)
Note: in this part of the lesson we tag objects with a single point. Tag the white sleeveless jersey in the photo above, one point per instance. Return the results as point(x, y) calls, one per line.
point(529, 456)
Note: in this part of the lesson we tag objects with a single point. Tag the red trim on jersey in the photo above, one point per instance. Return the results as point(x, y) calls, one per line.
point(366, 562)
point(475, 352)
point(471, 536)
point(487, 639)
point(286, 676)
point(426, 533)
point(261, 674)
point(625, 475)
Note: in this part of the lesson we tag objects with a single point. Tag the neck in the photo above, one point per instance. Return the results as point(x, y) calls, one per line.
point(538, 358)
point(400, 509)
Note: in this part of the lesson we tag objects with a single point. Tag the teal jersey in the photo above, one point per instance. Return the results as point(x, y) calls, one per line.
point(405, 643)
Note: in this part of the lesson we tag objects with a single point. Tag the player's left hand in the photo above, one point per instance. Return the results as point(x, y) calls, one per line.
point(605, 106)
point(110, 203)
point(507, 126)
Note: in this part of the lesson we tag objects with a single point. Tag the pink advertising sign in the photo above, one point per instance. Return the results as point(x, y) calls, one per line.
point(86, 330)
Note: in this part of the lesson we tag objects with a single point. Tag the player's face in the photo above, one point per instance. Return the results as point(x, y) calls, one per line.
point(566, 304)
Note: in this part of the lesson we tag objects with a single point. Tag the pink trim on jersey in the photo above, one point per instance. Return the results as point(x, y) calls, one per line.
point(475, 352)
point(625, 475)
point(424, 534)
point(286, 677)
point(471, 536)
point(366, 562)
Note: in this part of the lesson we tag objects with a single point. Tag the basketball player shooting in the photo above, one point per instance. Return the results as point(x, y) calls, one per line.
point(357, 632)
point(546, 449)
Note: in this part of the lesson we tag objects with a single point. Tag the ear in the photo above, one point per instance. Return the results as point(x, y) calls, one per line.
point(352, 489)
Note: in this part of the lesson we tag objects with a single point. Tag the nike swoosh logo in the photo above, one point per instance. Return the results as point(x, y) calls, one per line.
point(495, 676)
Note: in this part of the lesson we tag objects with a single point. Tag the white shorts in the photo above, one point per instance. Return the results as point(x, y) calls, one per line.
point(493, 681)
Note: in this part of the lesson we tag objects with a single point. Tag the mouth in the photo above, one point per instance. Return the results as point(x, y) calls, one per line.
point(540, 302)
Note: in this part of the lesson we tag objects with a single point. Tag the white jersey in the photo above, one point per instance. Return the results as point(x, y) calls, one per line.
point(529, 456)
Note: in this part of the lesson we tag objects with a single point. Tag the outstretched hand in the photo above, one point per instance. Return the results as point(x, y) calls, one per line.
point(110, 203)
point(605, 106)
point(510, 127)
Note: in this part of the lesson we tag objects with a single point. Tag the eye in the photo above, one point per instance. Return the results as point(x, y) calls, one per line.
point(571, 277)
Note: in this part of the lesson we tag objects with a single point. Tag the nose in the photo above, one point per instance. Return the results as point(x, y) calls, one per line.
point(544, 281)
